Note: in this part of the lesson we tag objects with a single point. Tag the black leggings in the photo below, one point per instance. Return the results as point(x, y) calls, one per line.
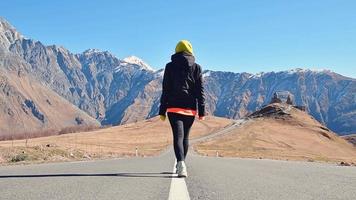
point(181, 125)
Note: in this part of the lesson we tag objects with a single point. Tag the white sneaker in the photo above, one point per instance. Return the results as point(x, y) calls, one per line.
point(182, 169)
point(177, 168)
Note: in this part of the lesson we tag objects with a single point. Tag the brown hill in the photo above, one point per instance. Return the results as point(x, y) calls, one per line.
point(27, 106)
point(280, 131)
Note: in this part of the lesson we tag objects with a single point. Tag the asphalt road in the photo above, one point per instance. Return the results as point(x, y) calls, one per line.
point(231, 178)
point(151, 178)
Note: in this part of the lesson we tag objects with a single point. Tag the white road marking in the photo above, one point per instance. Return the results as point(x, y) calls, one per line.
point(178, 190)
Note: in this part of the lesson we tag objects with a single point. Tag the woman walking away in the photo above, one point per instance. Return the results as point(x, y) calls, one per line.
point(182, 90)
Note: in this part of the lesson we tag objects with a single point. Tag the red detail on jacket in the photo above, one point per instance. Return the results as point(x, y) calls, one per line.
point(182, 111)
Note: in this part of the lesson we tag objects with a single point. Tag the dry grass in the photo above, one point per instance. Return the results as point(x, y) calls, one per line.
point(38, 154)
point(295, 137)
point(28, 134)
point(150, 137)
point(78, 129)
point(48, 132)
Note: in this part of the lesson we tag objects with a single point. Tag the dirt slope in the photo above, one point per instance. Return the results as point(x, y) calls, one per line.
point(27, 106)
point(281, 131)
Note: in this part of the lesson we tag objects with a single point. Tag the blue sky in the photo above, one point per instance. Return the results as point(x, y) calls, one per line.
point(239, 36)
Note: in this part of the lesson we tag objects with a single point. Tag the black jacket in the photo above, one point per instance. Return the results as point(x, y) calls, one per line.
point(182, 85)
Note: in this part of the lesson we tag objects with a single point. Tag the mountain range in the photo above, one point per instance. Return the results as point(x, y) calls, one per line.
point(96, 87)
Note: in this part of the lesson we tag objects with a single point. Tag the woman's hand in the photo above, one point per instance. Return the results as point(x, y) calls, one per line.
point(201, 117)
point(162, 117)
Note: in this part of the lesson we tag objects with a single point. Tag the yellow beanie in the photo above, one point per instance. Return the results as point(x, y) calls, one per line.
point(184, 45)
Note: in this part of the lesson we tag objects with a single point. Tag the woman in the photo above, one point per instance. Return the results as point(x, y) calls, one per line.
point(182, 90)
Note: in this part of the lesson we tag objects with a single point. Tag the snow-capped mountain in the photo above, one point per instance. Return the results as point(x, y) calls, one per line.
point(115, 91)
point(328, 97)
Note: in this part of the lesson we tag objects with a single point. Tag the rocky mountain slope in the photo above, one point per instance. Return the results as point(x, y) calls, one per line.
point(280, 131)
point(351, 138)
point(329, 97)
point(115, 91)
point(26, 105)
point(95, 81)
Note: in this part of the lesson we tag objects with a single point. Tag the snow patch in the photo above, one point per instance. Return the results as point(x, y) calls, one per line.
point(291, 72)
point(137, 61)
point(257, 75)
point(206, 74)
point(305, 70)
point(159, 73)
point(92, 51)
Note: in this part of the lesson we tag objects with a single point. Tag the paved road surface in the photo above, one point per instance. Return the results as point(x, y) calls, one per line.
point(151, 178)
point(225, 178)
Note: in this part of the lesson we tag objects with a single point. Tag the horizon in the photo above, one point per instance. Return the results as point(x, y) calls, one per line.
point(328, 46)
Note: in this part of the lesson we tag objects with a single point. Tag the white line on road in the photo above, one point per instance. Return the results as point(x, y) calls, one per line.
point(178, 190)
